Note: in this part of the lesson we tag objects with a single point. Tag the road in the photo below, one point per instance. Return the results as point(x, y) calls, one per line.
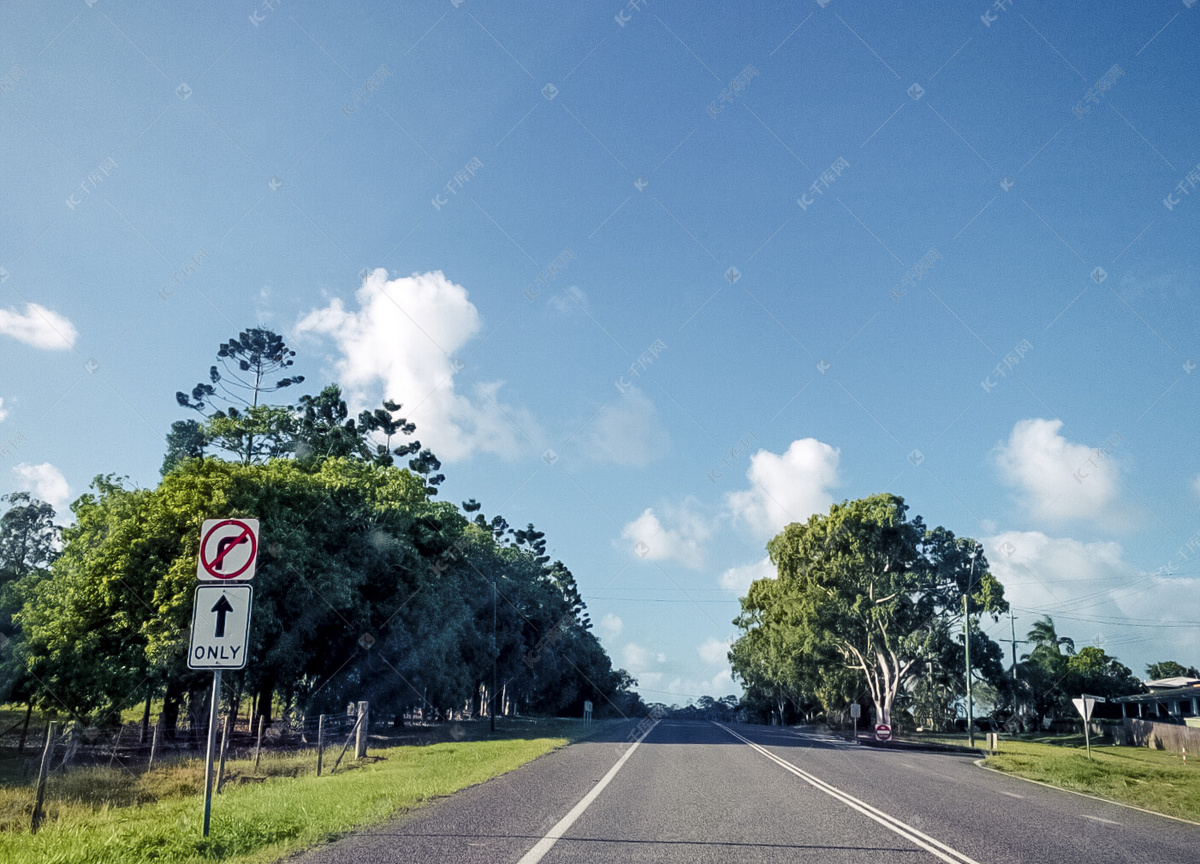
point(702, 792)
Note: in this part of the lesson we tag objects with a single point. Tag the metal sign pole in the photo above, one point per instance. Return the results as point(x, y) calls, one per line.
point(212, 743)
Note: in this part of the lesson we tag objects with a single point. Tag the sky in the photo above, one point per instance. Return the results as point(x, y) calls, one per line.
point(656, 277)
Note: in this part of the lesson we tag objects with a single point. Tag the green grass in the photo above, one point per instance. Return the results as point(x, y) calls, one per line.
point(110, 816)
point(1155, 780)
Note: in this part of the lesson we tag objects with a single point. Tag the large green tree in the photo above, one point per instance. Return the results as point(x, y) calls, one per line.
point(867, 590)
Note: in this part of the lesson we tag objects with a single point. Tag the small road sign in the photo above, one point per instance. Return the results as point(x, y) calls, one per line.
point(856, 711)
point(1084, 706)
point(883, 732)
point(228, 549)
point(220, 627)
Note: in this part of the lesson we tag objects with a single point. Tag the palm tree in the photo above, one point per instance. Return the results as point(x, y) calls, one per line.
point(1046, 640)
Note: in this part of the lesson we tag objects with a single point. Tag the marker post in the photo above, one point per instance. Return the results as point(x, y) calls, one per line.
point(212, 746)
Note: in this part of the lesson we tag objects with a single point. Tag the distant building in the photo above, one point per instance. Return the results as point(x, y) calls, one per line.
point(1170, 700)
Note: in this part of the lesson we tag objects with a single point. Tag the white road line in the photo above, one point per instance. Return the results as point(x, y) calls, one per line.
point(544, 845)
point(1099, 819)
point(1010, 794)
point(930, 844)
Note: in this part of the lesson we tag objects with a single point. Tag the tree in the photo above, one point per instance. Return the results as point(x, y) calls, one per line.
point(1094, 672)
point(863, 589)
point(1046, 666)
point(186, 440)
point(1170, 669)
point(250, 362)
point(29, 543)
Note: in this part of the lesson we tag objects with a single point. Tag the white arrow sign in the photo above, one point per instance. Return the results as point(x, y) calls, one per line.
point(220, 627)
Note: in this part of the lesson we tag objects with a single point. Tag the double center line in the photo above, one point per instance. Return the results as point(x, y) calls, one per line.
point(930, 844)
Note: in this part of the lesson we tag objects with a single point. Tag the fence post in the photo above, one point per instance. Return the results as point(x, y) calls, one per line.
point(258, 745)
point(116, 744)
point(224, 744)
point(320, 742)
point(47, 755)
point(360, 744)
point(154, 743)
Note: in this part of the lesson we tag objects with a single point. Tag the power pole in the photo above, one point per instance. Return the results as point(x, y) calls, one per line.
point(495, 652)
point(1013, 623)
point(967, 652)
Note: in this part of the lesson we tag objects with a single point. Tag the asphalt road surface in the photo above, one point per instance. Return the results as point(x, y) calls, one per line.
point(702, 792)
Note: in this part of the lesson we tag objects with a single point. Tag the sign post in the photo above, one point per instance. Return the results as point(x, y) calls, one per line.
point(221, 616)
point(1084, 706)
point(856, 712)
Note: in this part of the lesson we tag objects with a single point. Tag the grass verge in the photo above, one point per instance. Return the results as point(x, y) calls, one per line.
point(109, 816)
point(1154, 780)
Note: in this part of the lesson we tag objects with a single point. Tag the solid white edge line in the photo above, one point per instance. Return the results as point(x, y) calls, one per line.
point(544, 845)
point(979, 764)
point(930, 844)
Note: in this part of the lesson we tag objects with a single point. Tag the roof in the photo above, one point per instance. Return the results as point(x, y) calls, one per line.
point(1173, 683)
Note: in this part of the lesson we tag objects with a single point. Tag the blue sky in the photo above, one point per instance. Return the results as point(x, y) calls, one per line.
point(701, 273)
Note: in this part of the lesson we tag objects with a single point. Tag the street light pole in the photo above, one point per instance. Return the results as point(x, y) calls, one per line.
point(967, 652)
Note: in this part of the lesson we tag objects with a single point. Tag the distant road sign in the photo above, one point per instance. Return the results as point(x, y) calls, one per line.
point(883, 732)
point(220, 627)
point(228, 549)
point(1084, 706)
point(856, 711)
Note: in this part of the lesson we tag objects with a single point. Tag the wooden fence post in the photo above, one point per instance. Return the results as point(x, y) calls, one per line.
point(47, 755)
point(154, 743)
point(364, 719)
point(320, 742)
point(224, 744)
point(258, 746)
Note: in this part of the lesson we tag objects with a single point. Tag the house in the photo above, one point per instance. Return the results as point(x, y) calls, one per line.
point(1170, 700)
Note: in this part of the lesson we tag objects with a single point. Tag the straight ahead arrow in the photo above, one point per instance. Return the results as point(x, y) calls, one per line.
point(222, 608)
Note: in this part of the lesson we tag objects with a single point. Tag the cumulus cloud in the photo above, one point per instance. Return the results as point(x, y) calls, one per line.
point(611, 626)
point(626, 432)
point(402, 343)
point(1096, 596)
point(39, 327)
point(1055, 478)
point(787, 488)
point(680, 539)
point(739, 578)
point(639, 660)
point(3, 411)
point(44, 481)
point(714, 650)
point(570, 299)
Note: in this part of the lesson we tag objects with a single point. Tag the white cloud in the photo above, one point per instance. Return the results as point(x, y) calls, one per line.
point(403, 344)
point(714, 650)
point(1195, 482)
point(39, 327)
point(739, 578)
point(681, 540)
point(568, 300)
point(787, 488)
point(1095, 596)
point(611, 625)
point(639, 657)
point(626, 432)
point(46, 482)
point(3, 412)
point(1057, 479)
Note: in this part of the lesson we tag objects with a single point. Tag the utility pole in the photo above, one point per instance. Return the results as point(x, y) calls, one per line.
point(967, 652)
point(495, 652)
point(1013, 623)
